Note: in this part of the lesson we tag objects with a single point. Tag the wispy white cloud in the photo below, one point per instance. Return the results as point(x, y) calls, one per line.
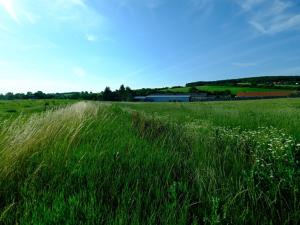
point(77, 12)
point(150, 4)
point(80, 3)
point(19, 11)
point(77, 15)
point(271, 16)
point(32, 18)
point(10, 7)
point(91, 37)
point(250, 4)
point(203, 8)
point(201, 4)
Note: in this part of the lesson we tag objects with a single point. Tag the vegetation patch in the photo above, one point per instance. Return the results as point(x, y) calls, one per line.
point(231, 89)
point(91, 163)
point(11, 111)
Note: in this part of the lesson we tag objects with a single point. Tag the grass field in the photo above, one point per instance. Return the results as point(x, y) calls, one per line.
point(234, 90)
point(12, 109)
point(148, 163)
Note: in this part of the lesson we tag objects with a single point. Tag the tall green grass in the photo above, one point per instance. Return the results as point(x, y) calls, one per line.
point(93, 163)
point(13, 108)
point(283, 114)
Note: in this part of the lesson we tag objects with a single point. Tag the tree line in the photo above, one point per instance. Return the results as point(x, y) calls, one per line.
point(262, 81)
point(121, 94)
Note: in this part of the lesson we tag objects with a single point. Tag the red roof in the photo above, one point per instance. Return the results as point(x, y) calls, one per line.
point(265, 94)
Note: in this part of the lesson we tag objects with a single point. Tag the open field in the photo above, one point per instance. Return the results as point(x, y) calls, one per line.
point(252, 114)
point(12, 109)
point(152, 163)
point(234, 90)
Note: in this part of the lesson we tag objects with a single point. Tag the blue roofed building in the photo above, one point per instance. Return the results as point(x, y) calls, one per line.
point(165, 98)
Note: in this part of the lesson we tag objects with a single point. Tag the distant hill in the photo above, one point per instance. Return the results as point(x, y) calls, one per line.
point(263, 80)
point(223, 89)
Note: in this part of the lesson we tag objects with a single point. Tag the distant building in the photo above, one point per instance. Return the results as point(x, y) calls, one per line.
point(164, 98)
point(168, 98)
point(264, 94)
point(199, 97)
point(139, 98)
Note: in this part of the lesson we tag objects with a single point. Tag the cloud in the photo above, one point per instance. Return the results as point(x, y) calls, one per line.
point(149, 4)
point(271, 16)
point(91, 37)
point(79, 72)
point(152, 4)
point(9, 6)
point(97, 38)
point(258, 26)
point(75, 2)
point(203, 8)
point(249, 4)
point(73, 11)
point(76, 12)
point(292, 22)
point(201, 4)
point(76, 15)
point(18, 11)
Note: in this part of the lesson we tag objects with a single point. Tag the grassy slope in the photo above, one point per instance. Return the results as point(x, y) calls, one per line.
point(234, 90)
point(93, 163)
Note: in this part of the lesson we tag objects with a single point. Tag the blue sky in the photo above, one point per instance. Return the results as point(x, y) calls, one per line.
point(78, 45)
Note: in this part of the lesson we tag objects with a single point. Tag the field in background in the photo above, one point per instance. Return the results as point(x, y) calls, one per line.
point(234, 90)
point(152, 163)
point(14, 108)
point(252, 114)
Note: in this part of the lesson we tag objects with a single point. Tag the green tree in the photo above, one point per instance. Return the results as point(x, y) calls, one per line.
point(29, 95)
point(122, 93)
point(129, 94)
point(107, 94)
point(9, 96)
point(193, 90)
point(39, 95)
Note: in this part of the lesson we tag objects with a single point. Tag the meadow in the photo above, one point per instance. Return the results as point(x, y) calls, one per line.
point(234, 90)
point(151, 163)
point(12, 109)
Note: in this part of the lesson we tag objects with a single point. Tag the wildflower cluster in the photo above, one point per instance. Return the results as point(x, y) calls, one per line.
point(273, 156)
point(270, 153)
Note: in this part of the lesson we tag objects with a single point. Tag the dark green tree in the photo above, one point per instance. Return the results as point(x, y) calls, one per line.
point(129, 94)
point(39, 95)
point(9, 96)
point(107, 94)
point(193, 90)
point(29, 95)
point(122, 93)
